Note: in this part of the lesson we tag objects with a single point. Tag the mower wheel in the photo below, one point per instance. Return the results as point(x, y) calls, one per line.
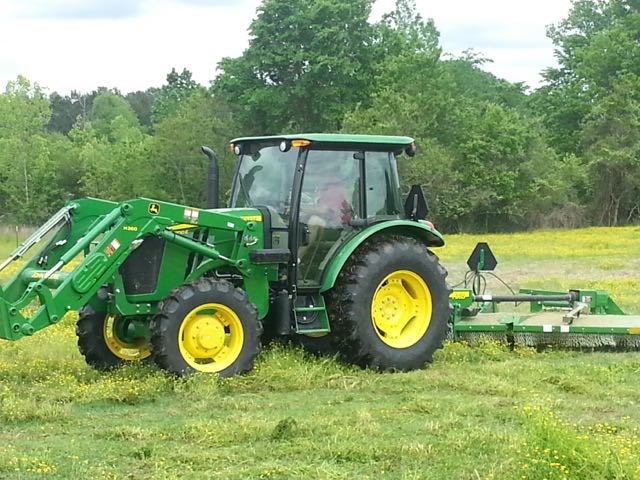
point(101, 344)
point(206, 326)
point(390, 306)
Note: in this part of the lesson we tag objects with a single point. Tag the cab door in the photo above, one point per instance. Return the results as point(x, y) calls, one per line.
point(330, 202)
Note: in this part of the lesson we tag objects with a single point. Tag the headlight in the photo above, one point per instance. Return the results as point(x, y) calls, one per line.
point(284, 146)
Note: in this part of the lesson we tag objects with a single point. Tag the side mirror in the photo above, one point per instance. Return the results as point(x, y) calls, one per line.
point(411, 150)
point(415, 206)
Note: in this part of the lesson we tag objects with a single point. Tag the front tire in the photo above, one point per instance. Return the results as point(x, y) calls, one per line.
point(389, 309)
point(102, 343)
point(206, 326)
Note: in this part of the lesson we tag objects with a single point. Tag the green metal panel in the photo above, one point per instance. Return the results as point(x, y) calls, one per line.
point(548, 322)
point(462, 297)
point(84, 278)
point(430, 236)
point(334, 138)
point(599, 301)
point(89, 251)
point(321, 310)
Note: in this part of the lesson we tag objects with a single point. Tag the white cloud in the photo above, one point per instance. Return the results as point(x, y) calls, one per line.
point(512, 33)
point(133, 44)
point(56, 9)
point(129, 53)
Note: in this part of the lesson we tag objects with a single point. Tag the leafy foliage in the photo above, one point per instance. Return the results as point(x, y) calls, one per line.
point(590, 102)
point(180, 168)
point(308, 63)
point(177, 89)
point(493, 156)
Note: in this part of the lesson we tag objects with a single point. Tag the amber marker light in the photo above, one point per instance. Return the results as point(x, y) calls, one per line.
point(300, 143)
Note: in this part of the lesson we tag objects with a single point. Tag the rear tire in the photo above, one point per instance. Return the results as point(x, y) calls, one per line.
point(390, 308)
point(206, 326)
point(100, 345)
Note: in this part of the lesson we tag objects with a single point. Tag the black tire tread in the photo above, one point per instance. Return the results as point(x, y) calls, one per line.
point(320, 346)
point(343, 297)
point(91, 343)
point(162, 323)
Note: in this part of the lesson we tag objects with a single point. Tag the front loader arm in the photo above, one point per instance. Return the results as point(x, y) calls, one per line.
point(101, 236)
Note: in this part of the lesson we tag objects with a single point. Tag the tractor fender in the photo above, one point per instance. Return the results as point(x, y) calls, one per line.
point(408, 228)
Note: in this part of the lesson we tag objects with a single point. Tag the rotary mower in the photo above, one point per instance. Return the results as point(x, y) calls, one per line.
point(317, 244)
point(582, 318)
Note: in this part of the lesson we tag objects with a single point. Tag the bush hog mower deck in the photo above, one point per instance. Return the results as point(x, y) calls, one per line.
point(317, 244)
point(573, 319)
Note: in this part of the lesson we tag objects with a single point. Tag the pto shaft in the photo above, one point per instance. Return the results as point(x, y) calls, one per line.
point(566, 297)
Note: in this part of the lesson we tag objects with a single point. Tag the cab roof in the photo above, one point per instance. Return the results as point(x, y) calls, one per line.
point(334, 138)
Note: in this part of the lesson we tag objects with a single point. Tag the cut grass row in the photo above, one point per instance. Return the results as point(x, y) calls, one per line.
point(479, 412)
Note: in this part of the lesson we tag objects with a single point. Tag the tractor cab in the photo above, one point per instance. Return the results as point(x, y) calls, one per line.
point(318, 191)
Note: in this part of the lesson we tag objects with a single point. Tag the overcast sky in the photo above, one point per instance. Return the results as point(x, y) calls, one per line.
point(133, 44)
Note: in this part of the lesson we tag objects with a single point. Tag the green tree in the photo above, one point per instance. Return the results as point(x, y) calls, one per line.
point(27, 188)
point(117, 171)
point(308, 63)
point(589, 103)
point(176, 91)
point(111, 155)
point(142, 103)
point(483, 159)
point(611, 143)
point(595, 44)
point(179, 169)
point(25, 108)
point(110, 113)
point(64, 112)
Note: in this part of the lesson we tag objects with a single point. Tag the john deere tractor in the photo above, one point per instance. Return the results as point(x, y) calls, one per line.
point(317, 244)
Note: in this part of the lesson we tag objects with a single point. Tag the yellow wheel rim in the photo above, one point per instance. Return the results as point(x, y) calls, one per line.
point(401, 309)
point(121, 349)
point(211, 337)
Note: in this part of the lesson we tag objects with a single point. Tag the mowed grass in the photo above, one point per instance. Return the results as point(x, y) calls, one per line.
point(475, 413)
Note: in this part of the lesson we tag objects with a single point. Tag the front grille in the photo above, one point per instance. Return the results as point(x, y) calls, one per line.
point(140, 271)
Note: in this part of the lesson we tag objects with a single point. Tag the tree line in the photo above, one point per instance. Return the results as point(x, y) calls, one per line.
point(493, 156)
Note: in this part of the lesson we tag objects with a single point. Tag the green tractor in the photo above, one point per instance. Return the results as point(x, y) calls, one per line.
point(317, 244)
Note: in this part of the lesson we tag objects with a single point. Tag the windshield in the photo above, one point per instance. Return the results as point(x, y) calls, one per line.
point(265, 178)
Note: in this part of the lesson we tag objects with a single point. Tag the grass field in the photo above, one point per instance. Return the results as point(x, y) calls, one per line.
point(476, 413)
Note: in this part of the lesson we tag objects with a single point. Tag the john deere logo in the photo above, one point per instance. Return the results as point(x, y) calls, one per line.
point(154, 209)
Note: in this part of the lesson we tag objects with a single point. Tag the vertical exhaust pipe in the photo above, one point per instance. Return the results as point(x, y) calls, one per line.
point(212, 178)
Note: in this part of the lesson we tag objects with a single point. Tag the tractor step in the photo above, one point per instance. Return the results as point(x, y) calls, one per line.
point(310, 313)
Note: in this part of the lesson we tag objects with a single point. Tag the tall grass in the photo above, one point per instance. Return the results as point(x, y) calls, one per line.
point(476, 413)
point(11, 236)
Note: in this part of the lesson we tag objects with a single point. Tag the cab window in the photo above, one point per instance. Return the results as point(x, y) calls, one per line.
point(383, 187)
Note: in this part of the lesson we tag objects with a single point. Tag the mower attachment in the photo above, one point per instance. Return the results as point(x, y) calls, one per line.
point(577, 318)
